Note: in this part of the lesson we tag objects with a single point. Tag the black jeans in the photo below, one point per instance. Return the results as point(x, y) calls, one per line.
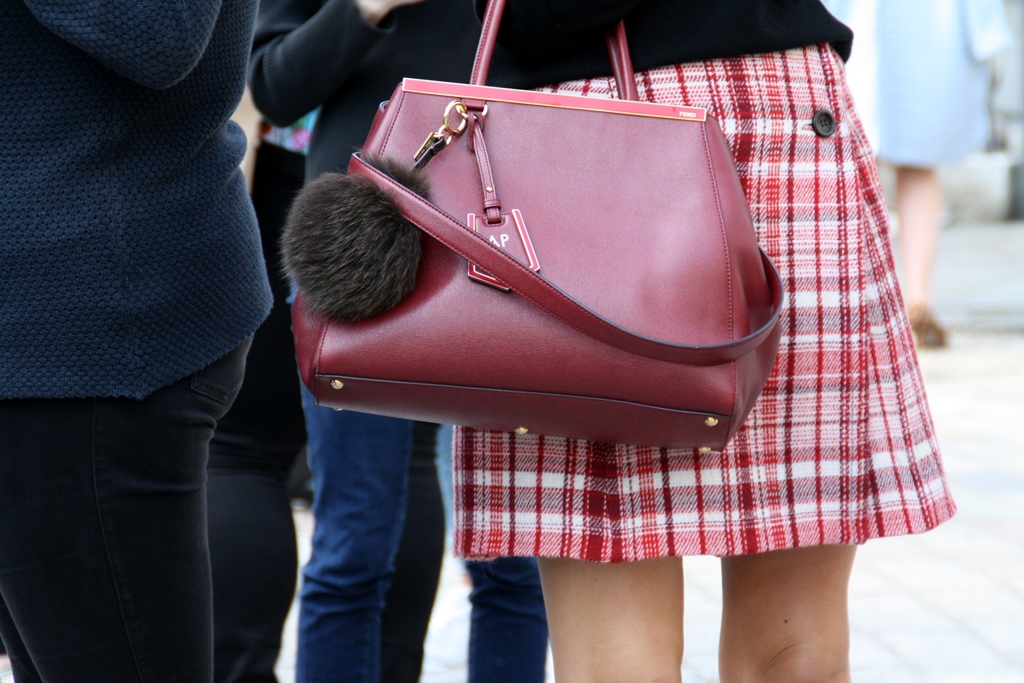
point(104, 564)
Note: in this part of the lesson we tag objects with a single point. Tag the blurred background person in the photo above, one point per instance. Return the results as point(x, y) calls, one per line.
point(368, 589)
point(256, 471)
point(257, 446)
point(921, 73)
point(368, 471)
point(508, 627)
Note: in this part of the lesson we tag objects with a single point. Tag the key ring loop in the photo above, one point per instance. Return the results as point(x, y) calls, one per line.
point(458, 107)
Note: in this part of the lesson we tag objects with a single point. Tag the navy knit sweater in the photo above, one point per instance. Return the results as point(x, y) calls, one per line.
point(129, 254)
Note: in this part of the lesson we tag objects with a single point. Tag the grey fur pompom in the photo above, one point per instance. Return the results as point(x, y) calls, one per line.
point(348, 246)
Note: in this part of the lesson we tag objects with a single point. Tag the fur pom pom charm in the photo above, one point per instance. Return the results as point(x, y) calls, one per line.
point(348, 246)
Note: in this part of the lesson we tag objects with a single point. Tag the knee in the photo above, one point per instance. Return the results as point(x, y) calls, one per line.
point(799, 663)
point(511, 586)
point(348, 574)
point(342, 594)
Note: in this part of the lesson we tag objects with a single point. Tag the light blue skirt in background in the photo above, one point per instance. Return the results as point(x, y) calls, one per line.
point(921, 74)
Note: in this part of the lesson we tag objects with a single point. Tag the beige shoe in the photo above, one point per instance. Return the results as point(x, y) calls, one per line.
point(928, 333)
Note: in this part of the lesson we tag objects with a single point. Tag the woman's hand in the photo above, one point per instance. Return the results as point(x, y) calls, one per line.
point(374, 11)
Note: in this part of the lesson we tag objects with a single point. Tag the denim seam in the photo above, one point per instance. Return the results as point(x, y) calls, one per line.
point(103, 534)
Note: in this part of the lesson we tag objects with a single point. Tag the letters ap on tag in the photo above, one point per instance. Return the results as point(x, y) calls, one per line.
point(510, 235)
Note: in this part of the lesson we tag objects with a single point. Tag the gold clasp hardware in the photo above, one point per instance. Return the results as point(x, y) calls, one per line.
point(458, 107)
point(429, 143)
point(447, 132)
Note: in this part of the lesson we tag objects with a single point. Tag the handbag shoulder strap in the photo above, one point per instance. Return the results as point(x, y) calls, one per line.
point(534, 288)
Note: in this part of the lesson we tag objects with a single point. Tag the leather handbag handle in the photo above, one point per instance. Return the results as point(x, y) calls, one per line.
point(618, 51)
point(622, 64)
point(531, 286)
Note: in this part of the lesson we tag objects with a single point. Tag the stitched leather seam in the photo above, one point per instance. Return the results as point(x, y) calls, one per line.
point(391, 128)
point(319, 355)
point(728, 260)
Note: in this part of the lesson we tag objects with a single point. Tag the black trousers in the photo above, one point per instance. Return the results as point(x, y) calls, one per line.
point(104, 566)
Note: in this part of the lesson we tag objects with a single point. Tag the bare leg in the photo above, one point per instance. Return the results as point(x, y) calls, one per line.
point(615, 622)
point(919, 206)
point(785, 616)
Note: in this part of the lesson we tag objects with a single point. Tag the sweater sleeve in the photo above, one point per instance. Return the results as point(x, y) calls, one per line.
point(304, 52)
point(152, 42)
point(534, 31)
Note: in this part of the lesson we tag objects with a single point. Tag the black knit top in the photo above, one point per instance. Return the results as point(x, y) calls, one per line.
point(546, 41)
point(313, 53)
point(322, 53)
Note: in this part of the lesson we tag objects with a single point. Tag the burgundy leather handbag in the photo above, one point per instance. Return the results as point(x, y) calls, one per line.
point(589, 269)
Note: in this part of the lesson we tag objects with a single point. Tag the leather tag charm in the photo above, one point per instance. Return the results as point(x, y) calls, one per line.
point(511, 235)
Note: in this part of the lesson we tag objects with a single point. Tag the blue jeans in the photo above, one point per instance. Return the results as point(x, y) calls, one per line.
point(508, 636)
point(104, 565)
point(360, 466)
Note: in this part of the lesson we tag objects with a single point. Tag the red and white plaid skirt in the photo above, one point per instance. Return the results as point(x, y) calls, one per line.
point(840, 447)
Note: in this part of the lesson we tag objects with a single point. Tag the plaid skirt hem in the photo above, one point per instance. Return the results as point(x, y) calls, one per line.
point(580, 542)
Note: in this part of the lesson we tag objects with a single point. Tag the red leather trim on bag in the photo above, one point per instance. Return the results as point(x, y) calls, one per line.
point(558, 101)
point(532, 262)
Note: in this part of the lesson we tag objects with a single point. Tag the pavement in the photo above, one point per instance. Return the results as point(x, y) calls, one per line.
point(942, 607)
